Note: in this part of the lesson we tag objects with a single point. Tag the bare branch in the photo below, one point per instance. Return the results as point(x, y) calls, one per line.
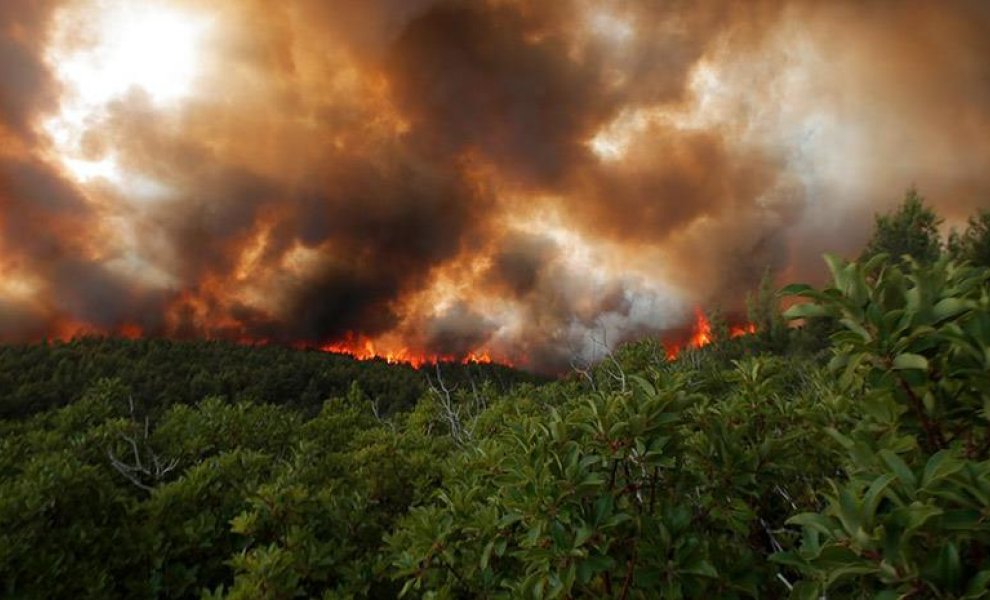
point(127, 471)
point(450, 411)
point(584, 370)
point(376, 411)
point(610, 364)
point(138, 472)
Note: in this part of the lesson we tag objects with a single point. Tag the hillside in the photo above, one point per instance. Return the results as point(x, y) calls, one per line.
point(159, 373)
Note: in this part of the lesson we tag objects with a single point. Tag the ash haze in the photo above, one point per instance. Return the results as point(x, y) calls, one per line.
point(507, 178)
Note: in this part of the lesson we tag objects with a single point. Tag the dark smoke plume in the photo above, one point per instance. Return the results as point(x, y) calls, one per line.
point(520, 179)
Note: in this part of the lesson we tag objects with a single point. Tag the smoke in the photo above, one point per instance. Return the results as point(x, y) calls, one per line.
point(521, 179)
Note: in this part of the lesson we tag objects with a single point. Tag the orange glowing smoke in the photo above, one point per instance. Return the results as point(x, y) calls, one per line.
point(363, 348)
point(701, 334)
point(69, 329)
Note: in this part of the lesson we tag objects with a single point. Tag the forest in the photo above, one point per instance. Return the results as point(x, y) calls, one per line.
point(840, 451)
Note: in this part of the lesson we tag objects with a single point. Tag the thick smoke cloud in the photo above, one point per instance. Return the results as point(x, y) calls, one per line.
point(521, 179)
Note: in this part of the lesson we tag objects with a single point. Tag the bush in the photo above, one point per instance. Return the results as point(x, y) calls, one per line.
point(911, 517)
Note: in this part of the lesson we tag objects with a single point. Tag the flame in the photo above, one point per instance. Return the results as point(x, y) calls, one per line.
point(701, 334)
point(482, 358)
point(702, 330)
point(363, 348)
point(356, 346)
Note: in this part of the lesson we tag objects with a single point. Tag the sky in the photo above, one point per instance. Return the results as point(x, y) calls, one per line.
point(523, 180)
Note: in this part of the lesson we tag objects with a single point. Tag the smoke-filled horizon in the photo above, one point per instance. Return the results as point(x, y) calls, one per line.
point(519, 179)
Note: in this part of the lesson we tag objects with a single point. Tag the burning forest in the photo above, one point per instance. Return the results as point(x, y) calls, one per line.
point(494, 180)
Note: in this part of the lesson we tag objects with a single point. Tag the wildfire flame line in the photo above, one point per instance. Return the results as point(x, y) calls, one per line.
point(365, 349)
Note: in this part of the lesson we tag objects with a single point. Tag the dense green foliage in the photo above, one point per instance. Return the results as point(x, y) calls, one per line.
point(160, 373)
point(911, 230)
point(911, 517)
point(848, 457)
point(973, 244)
point(227, 496)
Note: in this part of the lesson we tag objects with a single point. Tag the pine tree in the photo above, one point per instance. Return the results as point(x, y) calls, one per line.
point(973, 245)
point(912, 231)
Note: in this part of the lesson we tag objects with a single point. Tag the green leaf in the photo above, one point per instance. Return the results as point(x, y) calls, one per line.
point(603, 508)
point(838, 362)
point(509, 519)
point(814, 521)
point(806, 590)
point(949, 308)
point(839, 573)
point(948, 568)
point(857, 329)
point(910, 361)
point(879, 260)
point(940, 465)
point(559, 535)
point(979, 586)
point(960, 520)
point(486, 554)
point(593, 565)
point(843, 441)
point(583, 533)
point(805, 311)
point(616, 519)
point(788, 559)
point(701, 568)
point(836, 265)
point(849, 512)
point(896, 464)
point(874, 495)
point(915, 515)
point(534, 534)
point(645, 386)
point(795, 289)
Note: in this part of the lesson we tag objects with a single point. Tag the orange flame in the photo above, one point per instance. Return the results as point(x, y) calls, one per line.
point(356, 346)
point(363, 348)
point(701, 334)
point(702, 330)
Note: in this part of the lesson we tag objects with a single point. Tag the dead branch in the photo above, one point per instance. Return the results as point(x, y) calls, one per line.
point(460, 432)
point(153, 469)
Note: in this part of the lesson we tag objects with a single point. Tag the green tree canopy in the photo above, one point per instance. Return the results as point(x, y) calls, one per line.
point(911, 230)
point(973, 244)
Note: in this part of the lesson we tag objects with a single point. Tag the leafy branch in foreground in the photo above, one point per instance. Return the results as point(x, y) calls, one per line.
point(912, 516)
